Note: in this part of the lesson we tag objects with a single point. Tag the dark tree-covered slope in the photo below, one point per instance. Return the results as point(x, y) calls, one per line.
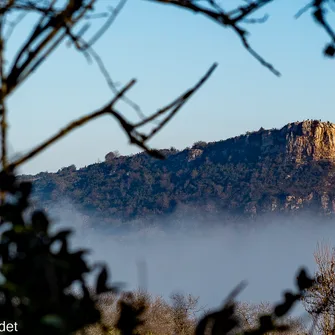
point(284, 170)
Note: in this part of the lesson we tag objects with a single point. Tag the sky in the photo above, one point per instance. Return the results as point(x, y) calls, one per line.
point(167, 50)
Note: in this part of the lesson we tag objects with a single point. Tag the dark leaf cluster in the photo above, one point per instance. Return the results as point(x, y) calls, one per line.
point(39, 271)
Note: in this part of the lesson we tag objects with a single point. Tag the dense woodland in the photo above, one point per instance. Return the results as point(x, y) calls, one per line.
point(227, 177)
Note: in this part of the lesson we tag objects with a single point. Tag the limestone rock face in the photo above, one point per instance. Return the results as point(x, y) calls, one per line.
point(194, 153)
point(310, 140)
point(297, 142)
point(298, 145)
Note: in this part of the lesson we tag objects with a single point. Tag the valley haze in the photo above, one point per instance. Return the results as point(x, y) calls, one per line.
point(252, 208)
point(206, 261)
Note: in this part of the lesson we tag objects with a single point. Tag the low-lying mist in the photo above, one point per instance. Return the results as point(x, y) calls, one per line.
point(207, 262)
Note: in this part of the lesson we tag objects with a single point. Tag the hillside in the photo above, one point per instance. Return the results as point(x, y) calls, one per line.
point(285, 170)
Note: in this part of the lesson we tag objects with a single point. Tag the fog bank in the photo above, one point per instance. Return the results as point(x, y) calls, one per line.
point(207, 262)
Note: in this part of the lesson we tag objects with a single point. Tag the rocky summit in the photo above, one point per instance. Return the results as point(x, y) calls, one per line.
point(289, 170)
point(298, 142)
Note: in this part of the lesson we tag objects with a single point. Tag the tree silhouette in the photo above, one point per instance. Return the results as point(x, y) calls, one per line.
point(38, 270)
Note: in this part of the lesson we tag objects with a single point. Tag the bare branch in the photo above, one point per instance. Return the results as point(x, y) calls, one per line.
point(131, 130)
point(12, 25)
point(227, 19)
point(243, 11)
point(319, 299)
point(303, 10)
point(262, 19)
point(319, 14)
point(111, 83)
point(107, 24)
point(176, 105)
point(73, 125)
point(57, 23)
point(3, 112)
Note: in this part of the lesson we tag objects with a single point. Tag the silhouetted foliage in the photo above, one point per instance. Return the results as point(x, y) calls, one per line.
point(227, 319)
point(38, 270)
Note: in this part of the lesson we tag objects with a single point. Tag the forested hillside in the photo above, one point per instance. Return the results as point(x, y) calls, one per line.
point(284, 170)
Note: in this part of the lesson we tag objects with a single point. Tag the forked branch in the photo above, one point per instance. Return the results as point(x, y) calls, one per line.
point(131, 129)
point(231, 19)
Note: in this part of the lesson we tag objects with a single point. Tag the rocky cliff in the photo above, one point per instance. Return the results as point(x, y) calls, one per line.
point(288, 170)
point(298, 142)
point(310, 140)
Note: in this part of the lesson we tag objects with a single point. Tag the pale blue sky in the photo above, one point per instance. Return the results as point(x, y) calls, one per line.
point(167, 50)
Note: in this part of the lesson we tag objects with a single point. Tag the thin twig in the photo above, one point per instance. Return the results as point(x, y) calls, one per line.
point(303, 10)
point(262, 19)
point(130, 129)
point(29, 54)
point(180, 99)
point(111, 83)
point(108, 23)
point(73, 125)
point(3, 113)
point(227, 19)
